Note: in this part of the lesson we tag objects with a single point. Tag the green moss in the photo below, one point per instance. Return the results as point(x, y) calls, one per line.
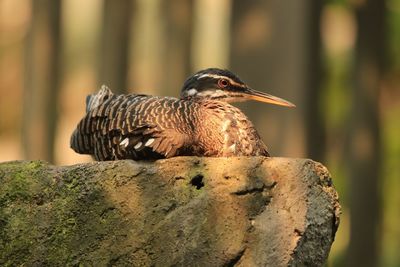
point(22, 181)
point(21, 185)
point(40, 214)
point(66, 217)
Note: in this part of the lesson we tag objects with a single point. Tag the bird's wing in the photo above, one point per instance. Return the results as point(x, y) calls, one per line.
point(136, 127)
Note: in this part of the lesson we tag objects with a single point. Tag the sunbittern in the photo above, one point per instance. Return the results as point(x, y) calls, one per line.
point(200, 123)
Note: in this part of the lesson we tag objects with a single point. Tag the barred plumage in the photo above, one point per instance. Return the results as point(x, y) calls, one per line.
point(201, 123)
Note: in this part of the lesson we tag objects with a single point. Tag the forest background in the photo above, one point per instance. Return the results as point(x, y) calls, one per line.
point(337, 60)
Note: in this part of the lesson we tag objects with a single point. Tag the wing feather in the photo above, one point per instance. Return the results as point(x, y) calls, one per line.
point(135, 127)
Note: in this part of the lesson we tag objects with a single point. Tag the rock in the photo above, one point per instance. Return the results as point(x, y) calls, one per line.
point(184, 211)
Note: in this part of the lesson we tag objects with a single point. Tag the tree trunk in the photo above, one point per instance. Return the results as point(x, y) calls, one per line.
point(210, 38)
point(365, 146)
point(178, 17)
point(314, 115)
point(184, 211)
point(42, 80)
point(115, 38)
point(269, 52)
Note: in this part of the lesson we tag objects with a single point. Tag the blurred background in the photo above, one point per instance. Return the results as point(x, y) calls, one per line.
point(337, 60)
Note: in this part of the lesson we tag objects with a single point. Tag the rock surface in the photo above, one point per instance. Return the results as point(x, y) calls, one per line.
point(183, 211)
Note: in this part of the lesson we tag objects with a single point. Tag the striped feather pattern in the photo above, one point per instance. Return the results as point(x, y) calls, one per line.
point(133, 127)
point(147, 127)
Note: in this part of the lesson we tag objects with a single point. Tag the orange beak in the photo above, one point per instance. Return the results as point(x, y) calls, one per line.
point(252, 94)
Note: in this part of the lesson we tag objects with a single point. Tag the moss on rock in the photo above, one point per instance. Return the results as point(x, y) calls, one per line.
point(171, 212)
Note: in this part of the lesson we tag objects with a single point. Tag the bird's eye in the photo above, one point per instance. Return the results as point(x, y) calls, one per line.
point(222, 83)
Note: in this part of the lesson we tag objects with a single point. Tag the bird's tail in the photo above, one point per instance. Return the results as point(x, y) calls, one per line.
point(81, 143)
point(95, 100)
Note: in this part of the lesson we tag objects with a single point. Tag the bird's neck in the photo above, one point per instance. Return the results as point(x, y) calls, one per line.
point(227, 130)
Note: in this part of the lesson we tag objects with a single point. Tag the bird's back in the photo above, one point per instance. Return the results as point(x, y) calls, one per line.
point(132, 127)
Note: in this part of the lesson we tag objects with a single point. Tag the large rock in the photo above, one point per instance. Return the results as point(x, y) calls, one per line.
point(183, 211)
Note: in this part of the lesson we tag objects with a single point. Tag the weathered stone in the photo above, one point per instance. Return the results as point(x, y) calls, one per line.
point(183, 211)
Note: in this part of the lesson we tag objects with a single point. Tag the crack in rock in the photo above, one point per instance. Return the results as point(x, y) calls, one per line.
point(233, 261)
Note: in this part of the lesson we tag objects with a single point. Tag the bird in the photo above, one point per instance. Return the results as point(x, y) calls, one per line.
point(201, 122)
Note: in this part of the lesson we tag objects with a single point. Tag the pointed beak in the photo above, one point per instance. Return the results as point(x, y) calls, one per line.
point(252, 94)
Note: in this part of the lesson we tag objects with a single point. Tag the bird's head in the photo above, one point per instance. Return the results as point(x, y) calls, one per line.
point(223, 85)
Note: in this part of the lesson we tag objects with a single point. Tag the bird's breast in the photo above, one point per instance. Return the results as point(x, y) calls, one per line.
point(225, 131)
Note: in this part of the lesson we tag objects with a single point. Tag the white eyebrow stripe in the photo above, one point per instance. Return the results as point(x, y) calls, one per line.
point(206, 75)
point(219, 77)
